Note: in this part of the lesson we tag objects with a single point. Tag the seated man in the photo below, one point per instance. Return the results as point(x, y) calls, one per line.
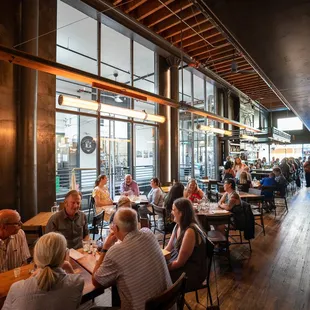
point(281, 180)
point(70, 221)
point(129, 186)
point(231, 198)
point(14, 250)
point(132, 263)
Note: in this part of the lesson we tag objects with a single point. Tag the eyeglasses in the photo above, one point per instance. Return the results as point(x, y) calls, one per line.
point(20, 223)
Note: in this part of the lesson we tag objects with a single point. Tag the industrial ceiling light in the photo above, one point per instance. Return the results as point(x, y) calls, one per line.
point(247, 137)
point(92, 105)
point(214, 130)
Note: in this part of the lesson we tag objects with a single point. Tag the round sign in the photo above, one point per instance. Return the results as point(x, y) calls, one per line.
point(88, 144)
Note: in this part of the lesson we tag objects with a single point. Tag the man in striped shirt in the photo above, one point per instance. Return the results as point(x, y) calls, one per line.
point(14, 250)
point(136, 264)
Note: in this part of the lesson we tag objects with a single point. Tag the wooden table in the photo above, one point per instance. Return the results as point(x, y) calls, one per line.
point(88, 261)
point(246, 196)
point(41, 219)
point(139, 200)
point(7, 279)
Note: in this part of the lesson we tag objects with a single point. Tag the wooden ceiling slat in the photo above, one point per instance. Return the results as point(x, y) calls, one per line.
point(216, 53)
point(206, 35)
point(173, 20)
point(211, 50)
point(193, 22)
point(241, 77)
point(241, 65)
point(256, 88)
point(149, 8)
point(187, 34)
point(215, 41)
point(250, 83)
point(225, 63)
point(214, 59)
point(128, 7)
point(116, 2)
point(164, 13)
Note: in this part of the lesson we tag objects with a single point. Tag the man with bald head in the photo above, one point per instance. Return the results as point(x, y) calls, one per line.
point(129, 186)
point(14, 250)
point(70, 222)
point(132, 263)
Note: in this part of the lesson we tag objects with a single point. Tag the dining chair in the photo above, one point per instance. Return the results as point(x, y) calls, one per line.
point(257, 207)
point(173, 295)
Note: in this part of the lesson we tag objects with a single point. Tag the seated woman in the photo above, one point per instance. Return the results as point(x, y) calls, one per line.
point(54, 284)
point(229, 172)
point(243, 183)
point(175, 192)
point(101, 193)
point(155, 197)
point(188, 245)
point(192, 191)
point(124, 202)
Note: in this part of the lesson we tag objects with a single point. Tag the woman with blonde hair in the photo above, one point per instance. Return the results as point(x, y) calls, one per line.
point(238, 167)
point(192, 191)
point(51, 287)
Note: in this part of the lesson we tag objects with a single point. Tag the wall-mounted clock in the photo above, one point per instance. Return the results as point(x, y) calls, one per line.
point(88, 144)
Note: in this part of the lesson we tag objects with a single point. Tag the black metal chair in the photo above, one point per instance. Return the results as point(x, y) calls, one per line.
point(257, 207)
point(167, 228)
point(97, 224)
point(173, 295)
point(206, 283)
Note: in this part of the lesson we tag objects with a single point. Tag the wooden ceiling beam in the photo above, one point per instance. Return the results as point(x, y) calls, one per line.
point(214, 59)
point(187, 34)
point(128, 7)
point(250, 83)
point(173, 20)
point(227, 67)
point(213, 55)
point(215, 41)
point(149, 8)
point(117, 2)
point(225, 63)
point(228, 70)
point(164, 13)
point(254, 89)
point(241, 77)
point(206, 35)
point(206, 50)
point(193, 22)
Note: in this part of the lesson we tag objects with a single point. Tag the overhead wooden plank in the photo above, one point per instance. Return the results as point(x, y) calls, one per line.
point(210, 50)
point(215, 41)
point(128, 7)
point(192, 22)
point(217, 52)
point(149, 8)
point(162, 14)
point(215, 58)
point(226, 62)
point(189, 33)
point(194, 40)
point(242, 77)
point(117, 2)
point(241, 64)
point(173, 20)
point(251, 83)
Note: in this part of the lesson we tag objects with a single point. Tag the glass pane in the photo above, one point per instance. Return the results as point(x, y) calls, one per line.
point(115, 152)
point(199, 100)
point(187, 88)
point(115, 55)
point(145, 152)
point(143, 67)
point(76, 147)
point(76, 38)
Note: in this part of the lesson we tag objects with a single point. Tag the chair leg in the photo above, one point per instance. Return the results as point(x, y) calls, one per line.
point(262, 223)
point(197, 297)
point(164, 241)
point(286, 204)
point(250, 246)
point(209, 295)
point(187, 305)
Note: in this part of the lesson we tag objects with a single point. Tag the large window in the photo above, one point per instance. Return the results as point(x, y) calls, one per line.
point(289, 123)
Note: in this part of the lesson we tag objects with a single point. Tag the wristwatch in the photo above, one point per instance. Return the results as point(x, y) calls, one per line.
point(104, 251)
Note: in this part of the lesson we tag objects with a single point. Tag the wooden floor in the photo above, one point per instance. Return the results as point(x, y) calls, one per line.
point(276, 275)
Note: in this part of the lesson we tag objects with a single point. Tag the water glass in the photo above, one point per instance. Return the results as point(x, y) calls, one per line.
point(86, 245)
point(17, 272)
point(54, 209)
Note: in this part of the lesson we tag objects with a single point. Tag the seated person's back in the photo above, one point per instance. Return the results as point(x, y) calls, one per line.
point(133, 263)
point(70, 222)
point(51, 287)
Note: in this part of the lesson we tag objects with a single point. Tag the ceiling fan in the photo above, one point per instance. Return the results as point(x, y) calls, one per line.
point(234, 69)
point(116, 98)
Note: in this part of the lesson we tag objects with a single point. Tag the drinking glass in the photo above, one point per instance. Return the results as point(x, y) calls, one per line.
point(86, 245)
point(54, 209)
point(17, 272)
